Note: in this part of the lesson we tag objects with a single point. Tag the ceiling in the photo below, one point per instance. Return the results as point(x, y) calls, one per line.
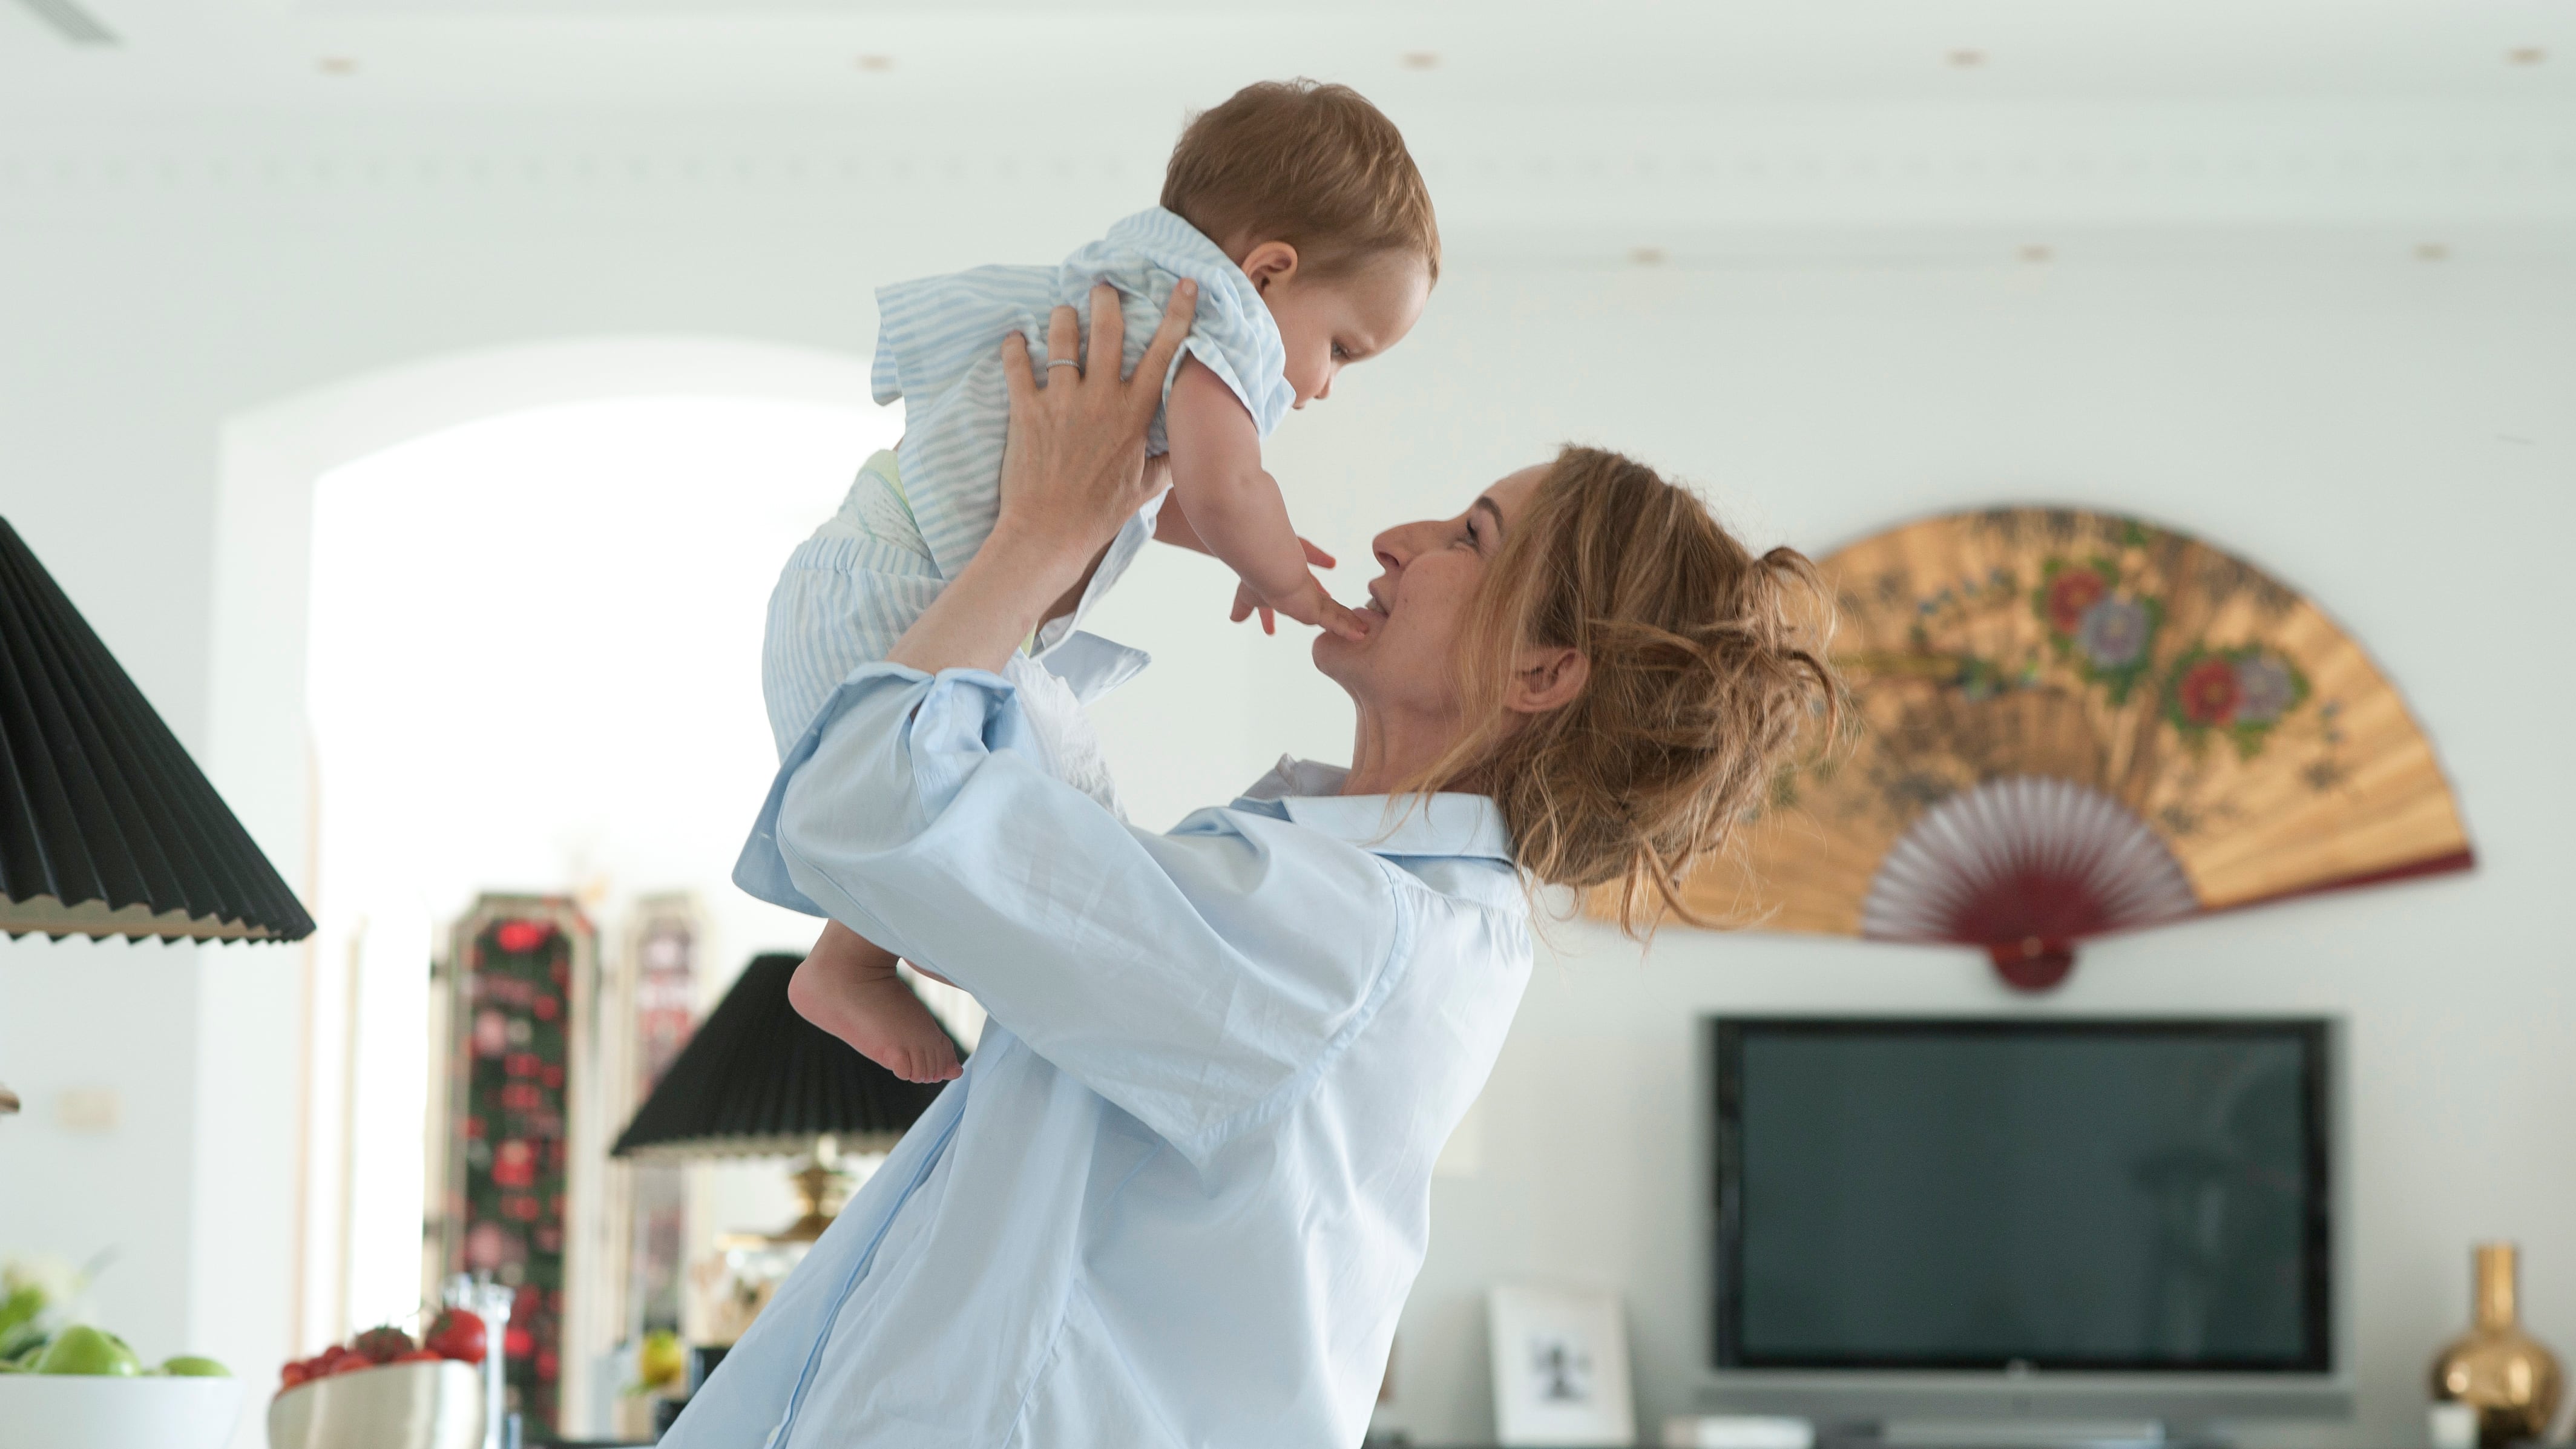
point(1647, 121)
point(1019, 58)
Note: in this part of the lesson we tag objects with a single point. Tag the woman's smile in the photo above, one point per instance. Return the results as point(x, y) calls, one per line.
point(1377, 604)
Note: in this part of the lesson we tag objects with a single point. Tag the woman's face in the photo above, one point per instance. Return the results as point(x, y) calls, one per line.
point(1428, 574)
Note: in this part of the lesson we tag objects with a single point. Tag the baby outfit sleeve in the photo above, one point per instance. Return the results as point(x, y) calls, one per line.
point(1232, 334)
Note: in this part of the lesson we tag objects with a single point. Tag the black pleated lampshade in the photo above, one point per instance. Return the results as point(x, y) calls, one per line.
point(107, 828)
point(758, 1080)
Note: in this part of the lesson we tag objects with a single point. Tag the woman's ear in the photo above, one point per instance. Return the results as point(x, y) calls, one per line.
point(1272, 261)
point(1546, 679)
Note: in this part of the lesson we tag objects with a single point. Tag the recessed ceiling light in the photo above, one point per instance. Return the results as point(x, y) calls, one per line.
point(1421, 60)
point(1649, 256)
point(336, 65)
point(2432, 252)
point(2525, 55)
point(1967, 59)
point(2037, 252)
point(876, 62)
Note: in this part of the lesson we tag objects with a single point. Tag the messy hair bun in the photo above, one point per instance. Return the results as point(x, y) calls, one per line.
point(1706, 664)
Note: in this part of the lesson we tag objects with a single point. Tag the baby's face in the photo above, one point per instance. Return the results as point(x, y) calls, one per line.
point(1331, 322)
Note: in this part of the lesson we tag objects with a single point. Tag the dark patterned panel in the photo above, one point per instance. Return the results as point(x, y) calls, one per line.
point(516, 1058)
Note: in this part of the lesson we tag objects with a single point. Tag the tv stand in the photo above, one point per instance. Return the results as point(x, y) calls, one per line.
point(1973, 1433)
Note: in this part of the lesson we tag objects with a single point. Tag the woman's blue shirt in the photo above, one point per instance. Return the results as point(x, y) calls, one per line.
point(1182, 1189)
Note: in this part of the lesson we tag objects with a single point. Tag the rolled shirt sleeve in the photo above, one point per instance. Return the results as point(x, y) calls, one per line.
point(915, 811)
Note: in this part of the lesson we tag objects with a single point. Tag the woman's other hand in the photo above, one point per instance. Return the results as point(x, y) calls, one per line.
point(1073, 463)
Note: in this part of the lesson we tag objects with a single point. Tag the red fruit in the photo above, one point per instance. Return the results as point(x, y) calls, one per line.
point(422, 1355)
point(353, 1364)
point(457, 1334)
point(291, 1375)
point(383, 1345)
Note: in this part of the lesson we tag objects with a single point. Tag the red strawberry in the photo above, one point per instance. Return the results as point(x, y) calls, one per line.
point(383, 1345)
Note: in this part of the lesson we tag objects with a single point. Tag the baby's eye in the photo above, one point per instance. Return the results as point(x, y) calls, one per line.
point(1341, 353)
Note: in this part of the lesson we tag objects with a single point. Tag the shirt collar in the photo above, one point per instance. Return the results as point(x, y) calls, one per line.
point(1447, 824)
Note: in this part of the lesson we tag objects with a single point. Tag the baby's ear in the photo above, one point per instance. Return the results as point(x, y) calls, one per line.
point(1271, 261)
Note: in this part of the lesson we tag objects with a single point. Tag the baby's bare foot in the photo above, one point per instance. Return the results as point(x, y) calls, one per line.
point(876, 1013)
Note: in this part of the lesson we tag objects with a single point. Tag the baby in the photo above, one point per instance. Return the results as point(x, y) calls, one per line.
point(1297, 211)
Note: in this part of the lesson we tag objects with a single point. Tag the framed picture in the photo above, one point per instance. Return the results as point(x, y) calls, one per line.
point(1560, 1367)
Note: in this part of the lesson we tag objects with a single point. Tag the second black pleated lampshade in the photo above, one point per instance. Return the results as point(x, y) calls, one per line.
point(758, 1080)
point(107, 828)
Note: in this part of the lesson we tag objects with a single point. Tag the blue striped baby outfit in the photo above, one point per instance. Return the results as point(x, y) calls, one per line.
point(939, 346)
point(916, 515)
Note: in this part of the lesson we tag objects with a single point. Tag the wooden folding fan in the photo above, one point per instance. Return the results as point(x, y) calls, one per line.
point(2068, 724)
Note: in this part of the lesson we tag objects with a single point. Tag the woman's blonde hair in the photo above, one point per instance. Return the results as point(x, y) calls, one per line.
point(1706, 665)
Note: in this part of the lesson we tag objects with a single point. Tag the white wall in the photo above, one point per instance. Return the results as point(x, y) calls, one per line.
point(2392, 435)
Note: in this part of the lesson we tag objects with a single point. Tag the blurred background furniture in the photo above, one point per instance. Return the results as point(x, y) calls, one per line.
point(758, 1080)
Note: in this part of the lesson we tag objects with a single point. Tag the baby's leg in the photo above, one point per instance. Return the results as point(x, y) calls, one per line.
point(847, 985)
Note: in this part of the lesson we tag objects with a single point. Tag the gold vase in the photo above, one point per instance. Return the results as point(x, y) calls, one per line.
point(2509, 1377)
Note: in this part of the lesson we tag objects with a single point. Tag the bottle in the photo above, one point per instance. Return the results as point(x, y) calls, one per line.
point(2506, 1375)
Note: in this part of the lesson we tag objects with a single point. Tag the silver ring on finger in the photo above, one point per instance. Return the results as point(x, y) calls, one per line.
point(1056, 362)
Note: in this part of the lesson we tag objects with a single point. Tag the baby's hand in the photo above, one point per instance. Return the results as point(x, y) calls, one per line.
point(1309, 605)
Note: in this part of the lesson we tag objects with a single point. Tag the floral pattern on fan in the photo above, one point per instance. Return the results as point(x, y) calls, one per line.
point(2039, 694)
point(2106, 633)
point(2241, 693)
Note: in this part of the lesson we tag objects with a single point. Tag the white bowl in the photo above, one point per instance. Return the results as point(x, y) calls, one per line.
point(83, 1411)
point(391, 1406)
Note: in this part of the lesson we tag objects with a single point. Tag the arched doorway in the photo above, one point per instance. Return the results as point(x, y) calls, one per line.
point(282, 1196)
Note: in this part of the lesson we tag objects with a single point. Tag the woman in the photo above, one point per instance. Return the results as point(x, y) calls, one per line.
point(1182, 1189)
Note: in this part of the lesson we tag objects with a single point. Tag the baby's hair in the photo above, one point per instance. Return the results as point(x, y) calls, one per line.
point(1313, 165)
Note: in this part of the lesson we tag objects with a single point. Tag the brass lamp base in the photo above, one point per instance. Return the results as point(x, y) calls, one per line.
point(738, 1282)
point(822, 1187)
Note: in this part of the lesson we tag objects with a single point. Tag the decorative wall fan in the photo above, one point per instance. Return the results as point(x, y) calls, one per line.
point(2071, 723)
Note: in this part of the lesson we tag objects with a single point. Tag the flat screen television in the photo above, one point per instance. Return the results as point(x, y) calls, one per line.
point(2036, 1217)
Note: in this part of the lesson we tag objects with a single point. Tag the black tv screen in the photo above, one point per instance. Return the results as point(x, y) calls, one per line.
point(1949, 1194)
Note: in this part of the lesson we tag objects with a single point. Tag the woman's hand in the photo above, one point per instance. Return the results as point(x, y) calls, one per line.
point(1073, 472)
point(1073, 465)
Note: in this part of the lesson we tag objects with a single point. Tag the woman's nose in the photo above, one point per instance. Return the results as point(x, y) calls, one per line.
point(1396, 547)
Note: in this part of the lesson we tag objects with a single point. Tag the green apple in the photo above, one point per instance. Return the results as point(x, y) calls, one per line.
point(190, 1366)
point(82, 1349)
